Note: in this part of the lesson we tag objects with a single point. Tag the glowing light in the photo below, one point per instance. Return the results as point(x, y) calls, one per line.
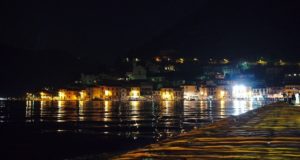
point(61, 95)
point(135, 104)
point(83, 95)
point(261, 61)
point(240, 91)
point(107, 93)
point(180, 60)
point(222, 94)
point(45, 96)
point(225, 61)
point(134, 93)
point(297, 101)
point(157, 59)
point(167, 96)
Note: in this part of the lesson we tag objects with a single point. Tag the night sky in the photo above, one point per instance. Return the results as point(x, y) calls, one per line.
point(101, 31)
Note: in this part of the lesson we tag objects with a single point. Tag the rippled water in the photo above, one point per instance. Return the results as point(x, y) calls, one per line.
point(143, 122)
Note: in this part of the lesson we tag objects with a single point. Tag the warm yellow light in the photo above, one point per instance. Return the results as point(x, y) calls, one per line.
point(222, 94)
point(157, 59)
point(107, 93)
point(262, 62)
point(180, 60)
point(166, 96)
point(134, 93)
point(61, 95)
point(135, 103)
point(226, 61)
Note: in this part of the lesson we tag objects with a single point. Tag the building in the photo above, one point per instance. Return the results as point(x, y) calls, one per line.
point(135, 93)
point(68, 95)
point(222, 92)
point(46, 96)
point(291, 90)
point(138, 73)
point(190, 92)
point(170, 94)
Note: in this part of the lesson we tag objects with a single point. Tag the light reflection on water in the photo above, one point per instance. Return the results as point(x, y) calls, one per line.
point(133, 119)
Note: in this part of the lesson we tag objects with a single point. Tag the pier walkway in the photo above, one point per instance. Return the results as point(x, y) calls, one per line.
point(270, 132)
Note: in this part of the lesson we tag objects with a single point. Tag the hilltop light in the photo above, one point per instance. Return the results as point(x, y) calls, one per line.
point(261, 61)
point(180, 60)
point(157, 59)
point(226, 61)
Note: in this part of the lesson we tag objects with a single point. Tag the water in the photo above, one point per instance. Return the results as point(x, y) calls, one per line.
point(57, 130)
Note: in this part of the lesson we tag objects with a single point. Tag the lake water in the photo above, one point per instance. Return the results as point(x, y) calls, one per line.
point(58, 130)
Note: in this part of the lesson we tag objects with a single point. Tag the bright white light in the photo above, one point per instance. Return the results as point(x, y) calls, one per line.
point(240, 91)
point(297, 98)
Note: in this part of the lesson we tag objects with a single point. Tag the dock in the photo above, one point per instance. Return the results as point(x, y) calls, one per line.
point(269, 132)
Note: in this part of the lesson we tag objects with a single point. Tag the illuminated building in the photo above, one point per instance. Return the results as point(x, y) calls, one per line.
point(170, 94)
point(241, 92)
point(190, 92)
point(110, 92)
point(93, 93)
point(83, 95)
point(203, 92)
point(68, 95)
point(45, 96)
point(135, 93)
point(30, 97)
point(291, 89)
point(221, 93)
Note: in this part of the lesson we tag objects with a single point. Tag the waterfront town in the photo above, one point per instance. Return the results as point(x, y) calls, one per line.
point(167, 78)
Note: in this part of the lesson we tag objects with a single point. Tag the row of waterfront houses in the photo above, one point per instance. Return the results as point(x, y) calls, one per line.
point(184, 92)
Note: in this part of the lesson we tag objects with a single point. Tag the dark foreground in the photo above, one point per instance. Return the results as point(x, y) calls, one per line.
point(271, 132)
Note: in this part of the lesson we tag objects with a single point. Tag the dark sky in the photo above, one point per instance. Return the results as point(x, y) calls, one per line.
point(88, 27)
point(41, 41)
point(114, 28)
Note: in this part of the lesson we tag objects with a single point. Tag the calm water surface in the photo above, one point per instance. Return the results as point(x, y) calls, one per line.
point(70, 129)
